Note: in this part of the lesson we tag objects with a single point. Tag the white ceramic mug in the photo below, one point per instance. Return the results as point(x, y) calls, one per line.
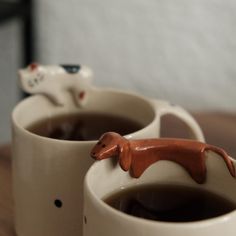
point(48, 173)
point(103, 178)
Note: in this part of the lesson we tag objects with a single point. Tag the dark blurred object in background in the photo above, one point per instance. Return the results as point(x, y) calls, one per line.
point(21, 10)
point(17, 44)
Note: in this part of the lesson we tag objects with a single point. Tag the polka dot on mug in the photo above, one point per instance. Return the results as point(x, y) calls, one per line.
point(85, 220)
point(58, 203)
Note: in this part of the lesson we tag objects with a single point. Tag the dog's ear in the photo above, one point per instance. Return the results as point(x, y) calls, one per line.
point(125, 156)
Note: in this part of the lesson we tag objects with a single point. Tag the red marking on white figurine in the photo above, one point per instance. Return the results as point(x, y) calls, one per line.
point(33, 66)
point(82, 95)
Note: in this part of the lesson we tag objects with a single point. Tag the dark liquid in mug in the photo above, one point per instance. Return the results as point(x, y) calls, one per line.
point(83, 126)
point(170, 203)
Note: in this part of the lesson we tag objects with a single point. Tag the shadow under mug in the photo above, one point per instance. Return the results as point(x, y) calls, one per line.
point(103, 179)
point(48, 174)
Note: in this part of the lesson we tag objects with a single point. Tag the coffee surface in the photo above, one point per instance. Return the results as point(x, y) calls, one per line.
point(83, 126)
point(171, 203)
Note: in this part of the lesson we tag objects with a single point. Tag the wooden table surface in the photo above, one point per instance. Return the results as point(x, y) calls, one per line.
point(219, 129)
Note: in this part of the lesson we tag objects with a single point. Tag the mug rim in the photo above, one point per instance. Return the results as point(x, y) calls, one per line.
point(110, 210)
point(36, 136)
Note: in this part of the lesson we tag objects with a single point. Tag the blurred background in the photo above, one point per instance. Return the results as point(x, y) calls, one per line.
point(183, 51)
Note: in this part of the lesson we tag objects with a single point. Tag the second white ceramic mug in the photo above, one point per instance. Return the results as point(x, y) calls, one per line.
point(48, 173)
point(103, 179)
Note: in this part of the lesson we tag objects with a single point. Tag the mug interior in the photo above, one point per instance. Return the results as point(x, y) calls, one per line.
point(106, 177)
point(105, 101)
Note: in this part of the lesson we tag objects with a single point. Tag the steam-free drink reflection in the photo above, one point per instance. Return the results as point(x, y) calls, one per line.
point(83, 126)
point(171, 203)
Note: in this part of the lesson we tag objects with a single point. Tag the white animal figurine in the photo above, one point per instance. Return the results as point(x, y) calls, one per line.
point(53, 80)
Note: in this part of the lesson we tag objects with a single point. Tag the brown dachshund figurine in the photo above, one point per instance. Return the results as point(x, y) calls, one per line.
point(138, 155)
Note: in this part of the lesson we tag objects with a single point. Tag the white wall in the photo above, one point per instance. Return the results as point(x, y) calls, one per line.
point(180, 50)
point(183, 51)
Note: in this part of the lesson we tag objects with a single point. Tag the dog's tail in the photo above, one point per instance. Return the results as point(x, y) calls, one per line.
point(225, 156)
